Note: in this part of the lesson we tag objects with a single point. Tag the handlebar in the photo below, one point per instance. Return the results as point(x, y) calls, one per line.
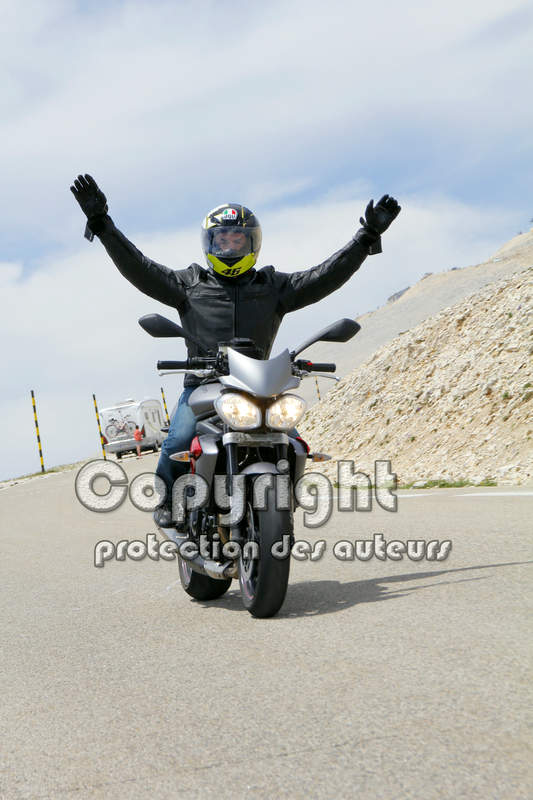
point(190, 363)
point(203, 363)
point(311, 366)
point(324, 367)
point(172, 364)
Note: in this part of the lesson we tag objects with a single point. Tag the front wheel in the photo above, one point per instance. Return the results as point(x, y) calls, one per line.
point(201, 587)
point(264, 566)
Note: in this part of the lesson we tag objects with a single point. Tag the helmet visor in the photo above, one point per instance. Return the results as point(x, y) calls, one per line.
point(230, 241)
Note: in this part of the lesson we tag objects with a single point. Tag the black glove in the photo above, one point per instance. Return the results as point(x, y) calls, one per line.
point(92, 202)
point(379, 217)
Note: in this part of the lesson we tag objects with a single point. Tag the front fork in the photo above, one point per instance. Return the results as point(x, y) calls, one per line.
point(232, 468)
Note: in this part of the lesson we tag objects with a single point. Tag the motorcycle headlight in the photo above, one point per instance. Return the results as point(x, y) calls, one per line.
point(285, 412)
point(238, 411)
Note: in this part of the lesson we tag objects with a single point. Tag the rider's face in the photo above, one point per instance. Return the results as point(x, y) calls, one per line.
point(230, 239)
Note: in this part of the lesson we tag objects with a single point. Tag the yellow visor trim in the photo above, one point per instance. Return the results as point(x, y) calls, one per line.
point(237, 269)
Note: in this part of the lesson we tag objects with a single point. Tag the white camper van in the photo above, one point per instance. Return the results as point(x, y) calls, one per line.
point(118, 424)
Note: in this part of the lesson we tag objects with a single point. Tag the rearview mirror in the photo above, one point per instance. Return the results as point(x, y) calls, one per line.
point(340, 331)
point(159, 326)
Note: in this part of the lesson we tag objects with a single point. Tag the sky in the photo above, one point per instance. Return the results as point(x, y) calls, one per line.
point(302, 111)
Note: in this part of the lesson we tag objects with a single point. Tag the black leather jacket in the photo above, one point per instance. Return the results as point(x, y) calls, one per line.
point(217, 309)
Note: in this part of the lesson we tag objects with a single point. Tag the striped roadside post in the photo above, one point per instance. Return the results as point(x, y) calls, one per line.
point(99, 427)
point(165, 406)
point(317, 389)
point(37, 431)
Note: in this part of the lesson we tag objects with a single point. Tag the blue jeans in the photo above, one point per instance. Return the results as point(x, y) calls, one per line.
point(180, 434)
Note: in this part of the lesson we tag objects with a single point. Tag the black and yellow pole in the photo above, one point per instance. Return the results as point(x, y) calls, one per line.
point(37, 431)
point(165, 405)
point(99, 427)
point(317, 389)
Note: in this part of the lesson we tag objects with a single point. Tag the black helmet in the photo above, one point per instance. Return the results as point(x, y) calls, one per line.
point(231, 239)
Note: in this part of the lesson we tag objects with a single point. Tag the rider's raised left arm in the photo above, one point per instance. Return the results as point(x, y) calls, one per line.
point(300, 289)
point(311, 285)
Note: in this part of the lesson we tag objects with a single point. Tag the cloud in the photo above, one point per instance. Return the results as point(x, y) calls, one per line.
point(170, 107)
point(268, 191)
point(10, 273)
point(508, 27)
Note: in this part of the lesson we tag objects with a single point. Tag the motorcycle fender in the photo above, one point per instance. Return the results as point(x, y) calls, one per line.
point(260, 467)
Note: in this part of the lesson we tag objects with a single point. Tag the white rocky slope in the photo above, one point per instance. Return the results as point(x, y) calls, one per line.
point(421, 301)
point(451, 398)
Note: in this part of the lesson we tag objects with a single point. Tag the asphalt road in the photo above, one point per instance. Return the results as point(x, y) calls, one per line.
point(378, 679)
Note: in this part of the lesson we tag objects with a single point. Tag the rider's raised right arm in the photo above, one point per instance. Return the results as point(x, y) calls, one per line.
point(153, 279)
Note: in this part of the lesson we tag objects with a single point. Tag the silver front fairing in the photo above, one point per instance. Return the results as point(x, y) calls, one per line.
point(260, 378)
point(202, 399)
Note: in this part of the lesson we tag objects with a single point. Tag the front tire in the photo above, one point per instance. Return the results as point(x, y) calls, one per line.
point(264, 580)
point(201, 587)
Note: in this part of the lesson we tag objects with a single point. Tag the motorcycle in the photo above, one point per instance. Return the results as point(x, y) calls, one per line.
point(245, 440)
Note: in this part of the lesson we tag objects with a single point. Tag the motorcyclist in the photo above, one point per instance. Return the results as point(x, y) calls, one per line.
point(231, 298)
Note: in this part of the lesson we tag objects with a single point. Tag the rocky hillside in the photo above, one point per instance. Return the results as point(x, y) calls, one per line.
point(451, 398)
point(414, 305)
